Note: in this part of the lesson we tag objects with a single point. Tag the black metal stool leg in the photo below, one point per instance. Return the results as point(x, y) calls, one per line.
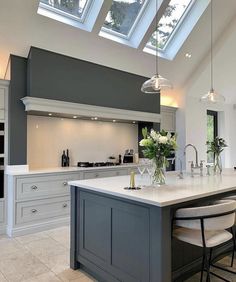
point(234, 247)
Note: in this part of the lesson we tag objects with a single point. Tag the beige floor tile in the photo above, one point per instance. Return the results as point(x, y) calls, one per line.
point(70, 275)
point(2, 278)
point(31, 237)
point(46, 277)
point(45, 248)
point(9, 246)
point(61, 235)
point(21, 265)
point(58, 263)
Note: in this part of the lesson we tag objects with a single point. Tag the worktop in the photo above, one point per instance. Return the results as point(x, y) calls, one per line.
point(173, 192)
point(126, 235)
point(69, 169)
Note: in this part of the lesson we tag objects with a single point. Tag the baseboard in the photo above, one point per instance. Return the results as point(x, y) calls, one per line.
point(39, 227)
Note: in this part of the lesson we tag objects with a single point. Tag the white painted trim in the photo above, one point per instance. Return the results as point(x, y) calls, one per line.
point(83, 110)
point(39, 227)
point(168, 109)
point(4, 82)
point(11, 169)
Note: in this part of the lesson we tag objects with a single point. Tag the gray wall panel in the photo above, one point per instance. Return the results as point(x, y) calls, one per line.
point(17, 136)
point(59, 77)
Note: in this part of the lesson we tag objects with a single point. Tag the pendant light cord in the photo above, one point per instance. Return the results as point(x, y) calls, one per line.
point(157, 9)
point(211, 44)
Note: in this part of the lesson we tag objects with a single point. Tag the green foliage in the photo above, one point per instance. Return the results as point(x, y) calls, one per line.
point(216, 146)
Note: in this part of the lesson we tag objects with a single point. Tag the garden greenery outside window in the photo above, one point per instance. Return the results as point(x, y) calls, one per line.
point(212, 131)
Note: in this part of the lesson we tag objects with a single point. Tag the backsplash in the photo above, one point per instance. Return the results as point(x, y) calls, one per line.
point(92, 141)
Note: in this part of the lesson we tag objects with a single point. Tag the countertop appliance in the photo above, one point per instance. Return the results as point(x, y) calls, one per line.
point(128, 156)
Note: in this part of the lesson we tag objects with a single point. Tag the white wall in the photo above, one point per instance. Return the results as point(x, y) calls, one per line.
point(87, 140)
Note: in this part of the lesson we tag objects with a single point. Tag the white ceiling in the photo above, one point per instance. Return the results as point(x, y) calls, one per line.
point(21, 27)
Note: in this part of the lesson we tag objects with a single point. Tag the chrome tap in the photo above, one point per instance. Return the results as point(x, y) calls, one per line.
point(196, 154)
point(196, 165)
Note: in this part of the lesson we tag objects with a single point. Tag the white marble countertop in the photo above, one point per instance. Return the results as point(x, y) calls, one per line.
point(173, 192)
point(70, 169)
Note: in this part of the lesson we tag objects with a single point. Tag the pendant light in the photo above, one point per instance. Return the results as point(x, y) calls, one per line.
point(212, 96)
point(156, 82)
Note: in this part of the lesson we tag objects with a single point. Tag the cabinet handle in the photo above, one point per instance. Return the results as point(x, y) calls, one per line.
point(34, 187)
point(33, 210)
point(64, 205)
point(65, 183)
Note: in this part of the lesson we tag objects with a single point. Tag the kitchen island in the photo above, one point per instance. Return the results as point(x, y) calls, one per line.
point(125, 235)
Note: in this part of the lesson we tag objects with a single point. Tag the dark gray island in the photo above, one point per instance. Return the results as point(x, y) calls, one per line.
point(123, 235)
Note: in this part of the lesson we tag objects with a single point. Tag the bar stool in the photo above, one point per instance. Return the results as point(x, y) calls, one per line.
point(205, 226)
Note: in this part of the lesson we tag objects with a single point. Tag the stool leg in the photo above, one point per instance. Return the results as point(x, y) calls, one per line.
point(234, 247)
point(209, 265)
point(203, 264)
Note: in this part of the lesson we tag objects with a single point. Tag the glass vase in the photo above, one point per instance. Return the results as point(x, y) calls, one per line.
point(159, 171)
point(217, 164)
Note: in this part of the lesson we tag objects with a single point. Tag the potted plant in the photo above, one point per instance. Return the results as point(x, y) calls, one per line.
point(157, 146)
point(217, 147)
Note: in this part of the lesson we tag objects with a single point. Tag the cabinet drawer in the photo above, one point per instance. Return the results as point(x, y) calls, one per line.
point(44, 186)
point(42, 209)
point(2, 212)
point(107, 173)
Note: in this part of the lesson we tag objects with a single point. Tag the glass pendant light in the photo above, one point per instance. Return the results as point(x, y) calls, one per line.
point(212, 96)
point(156, 82)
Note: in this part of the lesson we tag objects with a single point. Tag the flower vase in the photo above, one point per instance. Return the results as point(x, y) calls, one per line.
point(159, 171)
point(217, 164)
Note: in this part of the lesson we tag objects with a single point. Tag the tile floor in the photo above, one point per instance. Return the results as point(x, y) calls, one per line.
point(44, 257)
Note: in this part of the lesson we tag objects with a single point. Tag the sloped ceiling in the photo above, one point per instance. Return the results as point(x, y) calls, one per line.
point(21, 27)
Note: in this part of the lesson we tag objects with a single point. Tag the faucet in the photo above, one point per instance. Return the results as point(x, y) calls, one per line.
point(196, 154)
point(196, 166)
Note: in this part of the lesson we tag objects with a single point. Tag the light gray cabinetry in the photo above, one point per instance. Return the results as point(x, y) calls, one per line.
point(38, 202)
point(105, 173)
point(2, 211)
point(41, 201)
point(33, 211)
point(168, 118)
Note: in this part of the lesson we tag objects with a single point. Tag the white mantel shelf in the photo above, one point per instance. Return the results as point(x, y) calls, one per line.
point(33, 104)
point(174, 192)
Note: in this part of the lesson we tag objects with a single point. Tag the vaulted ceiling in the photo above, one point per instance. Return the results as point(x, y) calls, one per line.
point(21, 27)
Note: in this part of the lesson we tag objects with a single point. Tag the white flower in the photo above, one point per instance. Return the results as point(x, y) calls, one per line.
point(154, 135)
point(163, 139)
point(169, 135)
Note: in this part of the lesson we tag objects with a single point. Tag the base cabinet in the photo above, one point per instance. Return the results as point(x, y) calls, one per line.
point(42, 201)
point(117, 238)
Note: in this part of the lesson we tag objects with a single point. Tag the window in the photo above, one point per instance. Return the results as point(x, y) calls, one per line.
point(77, 13)
point(74, 9)
point(168, 23)
point(212, 131)
point(123, 16)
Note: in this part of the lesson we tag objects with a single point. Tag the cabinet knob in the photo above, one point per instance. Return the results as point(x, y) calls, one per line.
point(34, 187)
point(96, 175)
point(33, 210)
point(65, 183)
point(65, 205)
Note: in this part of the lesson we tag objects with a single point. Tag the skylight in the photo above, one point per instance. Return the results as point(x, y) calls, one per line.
point(123, 16)
point(169, 22)
point(69, 8)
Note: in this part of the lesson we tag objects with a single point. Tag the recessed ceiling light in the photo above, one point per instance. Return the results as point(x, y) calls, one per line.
point(62, 118)
point(134, 121)
point(95, 118)
point(188, 55)
point(114, 120)
point(50, 114)
point(74, 116)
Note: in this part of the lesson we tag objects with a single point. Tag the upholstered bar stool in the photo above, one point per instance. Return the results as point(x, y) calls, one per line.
point(205, 226)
